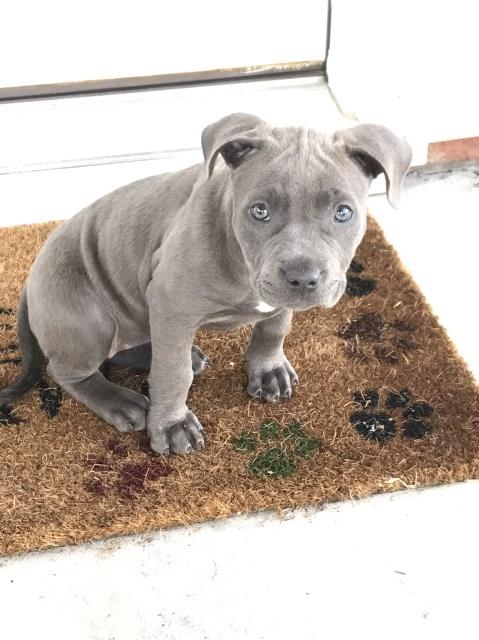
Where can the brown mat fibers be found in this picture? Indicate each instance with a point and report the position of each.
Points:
(71, 477)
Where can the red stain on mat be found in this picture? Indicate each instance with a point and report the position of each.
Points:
(133, 477)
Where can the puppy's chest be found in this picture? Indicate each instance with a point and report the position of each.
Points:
(229, 319)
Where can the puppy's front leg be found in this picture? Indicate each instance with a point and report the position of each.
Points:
(171, 426)
(270, 375)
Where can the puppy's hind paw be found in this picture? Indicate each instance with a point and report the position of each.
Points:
(129, 414)
(198, 360)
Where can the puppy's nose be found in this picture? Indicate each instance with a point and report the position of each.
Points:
(302, 276)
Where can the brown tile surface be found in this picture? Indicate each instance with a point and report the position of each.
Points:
(454, 150)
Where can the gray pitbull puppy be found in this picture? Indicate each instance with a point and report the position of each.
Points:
(133, 276)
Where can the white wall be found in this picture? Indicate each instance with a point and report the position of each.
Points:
(409, 64)
(49, 41)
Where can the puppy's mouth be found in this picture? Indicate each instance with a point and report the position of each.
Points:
(325, 297)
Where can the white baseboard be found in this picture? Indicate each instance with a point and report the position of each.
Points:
(86, 130)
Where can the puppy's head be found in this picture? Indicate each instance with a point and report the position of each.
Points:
(299, 201)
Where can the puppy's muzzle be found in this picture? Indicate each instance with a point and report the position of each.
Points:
(301, 276)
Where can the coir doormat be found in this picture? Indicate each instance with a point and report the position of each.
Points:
(384, 403)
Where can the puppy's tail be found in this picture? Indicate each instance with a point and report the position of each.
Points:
(32, 356)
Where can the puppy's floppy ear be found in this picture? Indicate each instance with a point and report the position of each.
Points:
(234, 137)
(378, 150)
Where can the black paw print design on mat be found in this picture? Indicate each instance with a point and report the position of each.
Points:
(4, 324)
(11, 347)
(356, 286)
(370, 336)
(50, 397)
(7, 412)
(127, 480)
(378, 424)
(8, 417)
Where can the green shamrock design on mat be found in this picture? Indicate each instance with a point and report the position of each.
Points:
(276, 448)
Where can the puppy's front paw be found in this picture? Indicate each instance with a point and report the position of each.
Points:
(273, 382)
(184, 436)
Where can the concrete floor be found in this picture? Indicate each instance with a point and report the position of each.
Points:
(397, 566)
(394, 566)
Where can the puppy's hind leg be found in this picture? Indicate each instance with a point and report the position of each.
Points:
(139, 358)
(75, 345)
(136, 358)
(124, 409)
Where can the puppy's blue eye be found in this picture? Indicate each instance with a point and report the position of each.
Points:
(259, 211)
(343, 213)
